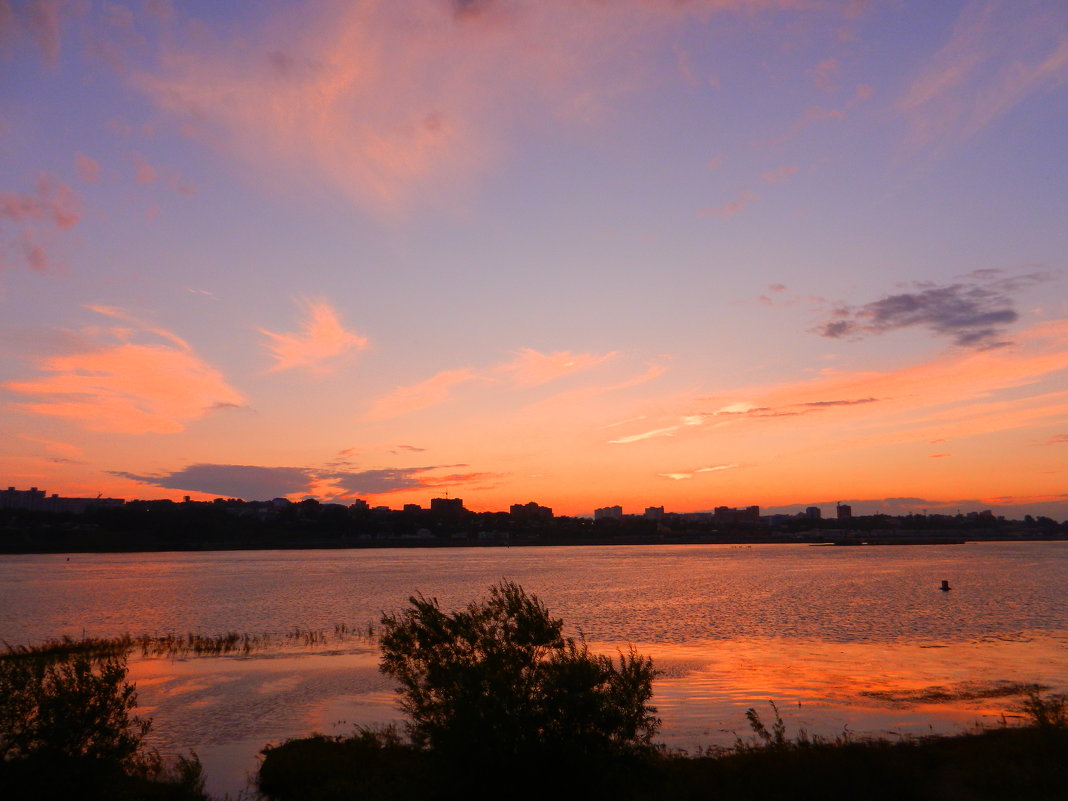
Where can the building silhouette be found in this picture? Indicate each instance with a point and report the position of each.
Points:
(530, 511)
(608, 513)
(36, 500)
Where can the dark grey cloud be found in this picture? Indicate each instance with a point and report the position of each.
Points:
(973, 312)
(380, 482)
(467, 9)
(249, 482)
(795, 409)
(855, 402)
(377, 482)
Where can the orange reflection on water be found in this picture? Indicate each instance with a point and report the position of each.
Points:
(826, 688)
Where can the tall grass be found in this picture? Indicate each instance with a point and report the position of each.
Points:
(190, 644)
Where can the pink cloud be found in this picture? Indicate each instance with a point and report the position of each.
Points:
(128, 387)
(825, 74)
(732, 208)
(779, 175)
(404, 103)
(54, 202)
(146, 173)
(35, 20)
(37, 218)
(88, 168)
(322, 339)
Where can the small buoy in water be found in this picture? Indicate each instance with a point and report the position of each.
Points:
(945, 586)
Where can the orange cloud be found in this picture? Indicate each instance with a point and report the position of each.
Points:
(430, 392)
(954, 394)
(531, 368)
(322, 338)
(127, 388)
(62, 451)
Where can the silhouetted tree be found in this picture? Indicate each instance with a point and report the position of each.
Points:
(497, 682)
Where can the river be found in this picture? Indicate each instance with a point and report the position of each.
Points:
(856, 639)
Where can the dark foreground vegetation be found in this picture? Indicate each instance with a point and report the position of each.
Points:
(1027, 763)
(500, 705)
(68, 729)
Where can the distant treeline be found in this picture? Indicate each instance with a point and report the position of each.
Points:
(236, 524)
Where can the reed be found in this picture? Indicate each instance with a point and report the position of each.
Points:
(172, 645)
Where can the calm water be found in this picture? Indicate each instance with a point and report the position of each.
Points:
(838, 637)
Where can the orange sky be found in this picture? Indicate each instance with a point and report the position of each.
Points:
(697, 254)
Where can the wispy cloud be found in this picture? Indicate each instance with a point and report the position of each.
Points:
(779, 175)
(430, 392)
(955, 394)
(733, 207)
(127, 386)
(997, 55)
(689, 474)
(810, 116)
(825, 74)
(666, 431)
(398, 103)
(973, 312)
(322, 339)
(529, 368)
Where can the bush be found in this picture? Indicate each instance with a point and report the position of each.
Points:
(67, 728)
(71, 705)
(498, 683)
(371, 765)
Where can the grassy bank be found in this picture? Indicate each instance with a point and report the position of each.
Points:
(1026, 763)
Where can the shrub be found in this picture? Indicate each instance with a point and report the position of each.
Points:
(1046, 713)
(497, 682)
(75, 704)
(67, 729)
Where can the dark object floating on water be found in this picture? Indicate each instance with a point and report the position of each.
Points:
(945, 586)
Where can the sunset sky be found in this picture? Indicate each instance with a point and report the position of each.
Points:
(637, 252)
